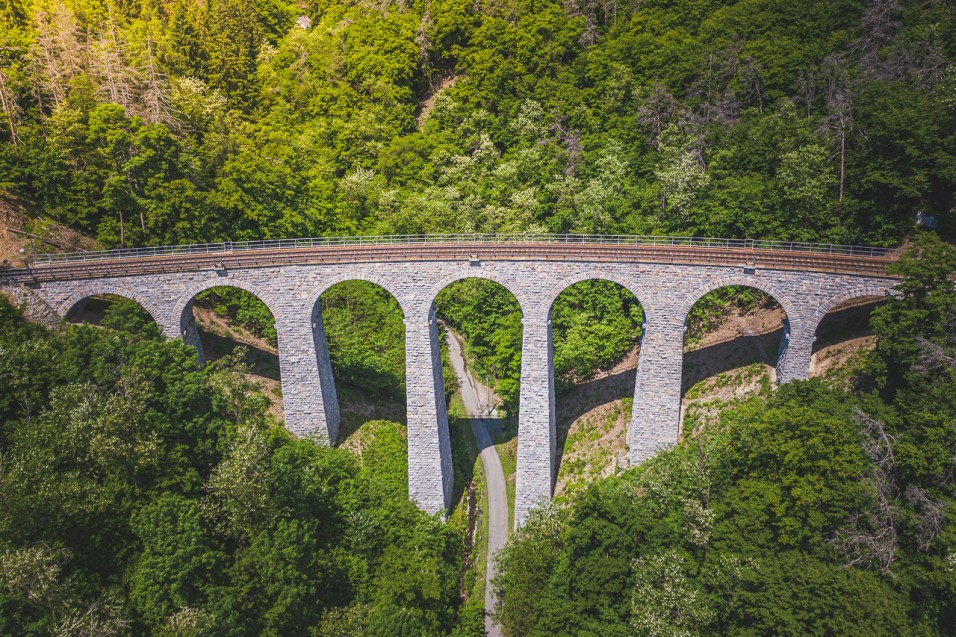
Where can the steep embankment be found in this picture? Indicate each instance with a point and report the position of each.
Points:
(222, 336)
(727, 364)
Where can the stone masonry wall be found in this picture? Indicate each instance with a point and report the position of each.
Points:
(534, 481)
(430, 475)
(666, 292)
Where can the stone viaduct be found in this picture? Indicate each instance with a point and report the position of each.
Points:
(666, 279)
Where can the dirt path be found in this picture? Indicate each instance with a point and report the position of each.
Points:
(471, 394)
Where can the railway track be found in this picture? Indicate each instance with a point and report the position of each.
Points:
(761, 259)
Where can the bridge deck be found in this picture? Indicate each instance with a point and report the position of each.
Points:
(618, 253)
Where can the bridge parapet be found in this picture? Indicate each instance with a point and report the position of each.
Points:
(747, 254)
(470, 239)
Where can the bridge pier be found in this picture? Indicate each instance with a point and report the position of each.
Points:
(534, 482)
(188, 330)
(793, 357)
(310, 403)
(430, 476)
(655, 416)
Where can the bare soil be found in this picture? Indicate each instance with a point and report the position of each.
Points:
(219, 338)
(754, 322)
(10, 242)
(10, 246)
(594, 444)
(428, 103)
(702, 405)
(592, 419)
(829, 360)
(46, 236)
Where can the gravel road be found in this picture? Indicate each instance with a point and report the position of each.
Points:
(475, 397)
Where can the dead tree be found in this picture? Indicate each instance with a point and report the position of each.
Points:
(656, 108)
(807, 85)
(57, 53)
(153, 89)
(871, 535)
(840, 109)
(10, 107)
(111, 66)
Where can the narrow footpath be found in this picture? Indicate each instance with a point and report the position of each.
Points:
(475, 397)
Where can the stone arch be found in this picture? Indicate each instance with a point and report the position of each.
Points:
(105, 288)
(524, 303)
(729, 354)
(640, 294)
(382, 282)
(778, 295)
(316, 328)
(564, 406)
(184, 303)
(828, 303)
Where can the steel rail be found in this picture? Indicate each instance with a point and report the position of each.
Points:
(460, 239)
(744, 257)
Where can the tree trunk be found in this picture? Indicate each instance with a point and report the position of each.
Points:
(842, 159)
(8, 109)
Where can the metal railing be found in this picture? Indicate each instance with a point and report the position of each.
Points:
(226, 247)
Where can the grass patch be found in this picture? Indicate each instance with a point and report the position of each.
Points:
(848, 373)
(506, 443)
(356, 409)
(591, 448)
(471, 499)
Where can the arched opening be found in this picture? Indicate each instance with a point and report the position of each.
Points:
(365, 334)
(481, 332)
(843, 337)
(114, 312)
(732, 340)
(597, 326)
(225, 321)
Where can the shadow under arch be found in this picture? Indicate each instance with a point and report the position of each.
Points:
(755, 334)
(858, 296)
(842, 328)
(597, 324)
(220, 316)
(738, 281)
(359, 324)
(481, 321)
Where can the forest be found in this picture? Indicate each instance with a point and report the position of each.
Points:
(809, 511)
(161, 122)
(141, 494)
